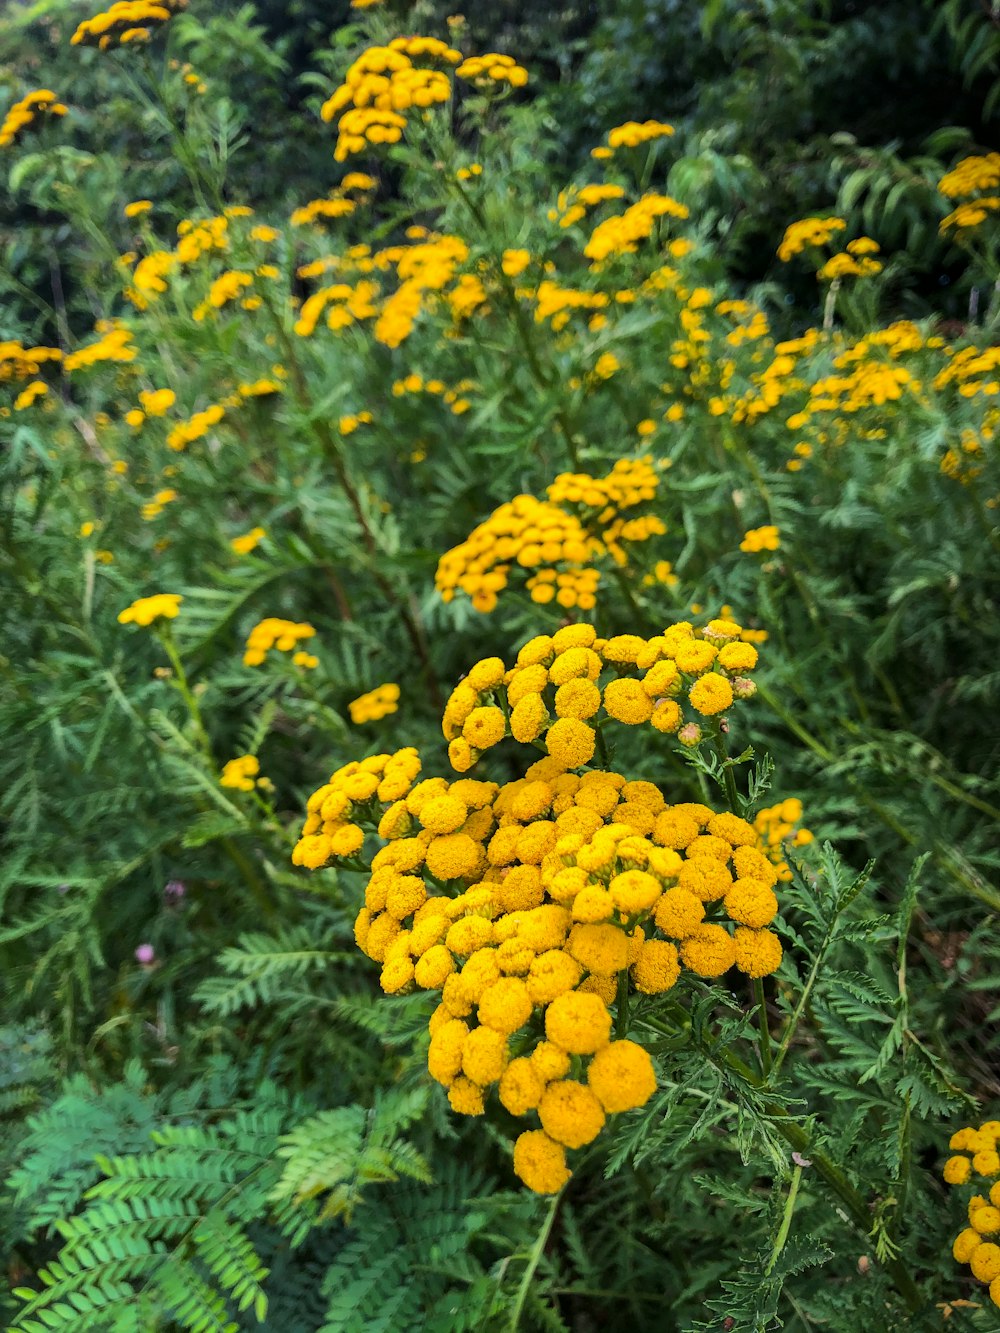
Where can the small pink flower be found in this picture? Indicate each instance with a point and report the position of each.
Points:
(174, 890)
(145, 953)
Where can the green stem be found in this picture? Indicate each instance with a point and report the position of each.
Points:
(728, 776)
(534, 1259)
(183, 688)
(793, 1022)
(765, 1031)
(786, 1221)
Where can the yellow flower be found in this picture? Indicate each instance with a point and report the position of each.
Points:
(528, 718)
(484, 727)
(709, 951)
(626, 701)
(621, 1076)
(580, 1024)
(484, 1056)
(378, 703)
(161, 606)
(241, 773)
(711, 694)
(521, 1087)
(569, 1111)
(506, 1005)
(248, 542)
(540, 1162)
(514, 262)
(571, 742)
(767, 538)
(599, 947)
(757, 952)
(656, 970)
(138, 207)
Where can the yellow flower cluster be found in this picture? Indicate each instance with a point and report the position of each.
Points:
(114, 344)
(154, 508)
(978, 1245)
(161, 606)
(331, 207)
(24, 363)
(554, 302)
(124, 22)
(380, 86)
(227, 287)
(964, 463)
(621, 234)
(22, 113)
(248, 542)
(972, 175)
(557, 546)
(241, 773)
(535, 907)
(454, 397)
(631, 135)
(809, 232)
(376, 704)
(854, 262)
(195, 239)
(330, 829)
(283, 636)
(28, 396)
(492, 68)
(767, 538)
(553, 694)
(631, 482)
(572, 205)
(775, 826)
(195, 427)
(154, 403)
(971, 213)
(533, 535)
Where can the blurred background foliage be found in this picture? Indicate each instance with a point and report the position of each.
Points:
(771, 126)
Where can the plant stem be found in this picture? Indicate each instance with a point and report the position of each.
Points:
(765, 1030)
(534, 1259)
(185, 691)
(786, 1221)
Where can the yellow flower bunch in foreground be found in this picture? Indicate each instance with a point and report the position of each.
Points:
(979, 1244)
(553, 695)
(28, 109)
(283, 636)
(555, 546)
(537, 907)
